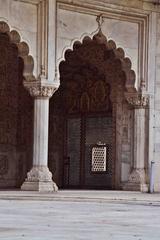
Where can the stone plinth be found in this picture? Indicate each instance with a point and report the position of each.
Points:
(39, 179)
(137, 181)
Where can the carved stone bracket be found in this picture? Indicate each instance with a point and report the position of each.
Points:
(38, 89)
(137, 100)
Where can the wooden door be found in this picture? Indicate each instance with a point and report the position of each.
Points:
(83, 135)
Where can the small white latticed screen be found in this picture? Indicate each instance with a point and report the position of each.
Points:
(99, 159)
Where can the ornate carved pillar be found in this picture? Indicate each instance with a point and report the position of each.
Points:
(39, 178)
(117, 99)
(137, 179)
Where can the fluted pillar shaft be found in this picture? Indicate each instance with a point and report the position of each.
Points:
(139, 138)
(40, 151)
(39, 178)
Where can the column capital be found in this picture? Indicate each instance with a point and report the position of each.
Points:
(137, 100)
(40, 89)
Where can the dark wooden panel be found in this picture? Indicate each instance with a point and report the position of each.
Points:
(98, 129)
(73, 149)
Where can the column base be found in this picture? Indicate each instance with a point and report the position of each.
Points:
(39, 186)
(39, 179)
(137, 181)
(135, 187)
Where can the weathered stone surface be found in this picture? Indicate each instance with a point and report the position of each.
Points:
(80, 215)
(131, 30)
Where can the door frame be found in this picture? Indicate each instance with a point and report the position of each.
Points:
(83, 118)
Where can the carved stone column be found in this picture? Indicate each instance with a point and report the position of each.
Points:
(39, 178)
(137, 179)
(117, 99)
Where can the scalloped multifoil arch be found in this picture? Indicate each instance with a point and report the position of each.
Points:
(70, 47)
(23, 50)
(119, 54)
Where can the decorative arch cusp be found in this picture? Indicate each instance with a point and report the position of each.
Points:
(23, 50)
(111, 52)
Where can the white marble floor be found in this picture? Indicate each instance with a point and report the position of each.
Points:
(78, 220)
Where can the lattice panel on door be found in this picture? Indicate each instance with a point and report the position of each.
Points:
(99, 159)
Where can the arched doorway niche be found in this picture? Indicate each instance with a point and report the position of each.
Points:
(16, 109)
(95, 78)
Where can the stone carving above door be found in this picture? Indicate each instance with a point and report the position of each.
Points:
(87, 91)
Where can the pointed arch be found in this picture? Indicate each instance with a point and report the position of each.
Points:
(23, 50)
(118, 54)
(16, 109)
(95, 75)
